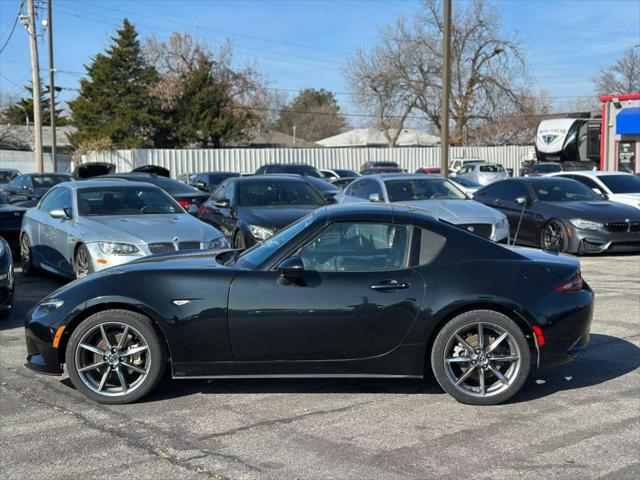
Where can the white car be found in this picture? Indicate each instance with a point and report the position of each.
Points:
(457, 163)
(617, 186)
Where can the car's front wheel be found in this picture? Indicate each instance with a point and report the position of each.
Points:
(82, 265)
(554, 237)
(115, 356)
(26, 256)
(481, 357)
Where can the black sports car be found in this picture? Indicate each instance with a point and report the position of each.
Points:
(564, 215)
(31, 187)
(189, 198)
(209, 181)
(351, 290)
(7, 282)
(10, 221)
(249, 210)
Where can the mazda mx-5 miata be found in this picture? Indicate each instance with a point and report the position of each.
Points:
(355, 290)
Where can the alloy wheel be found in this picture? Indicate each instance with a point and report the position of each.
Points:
(82, 263)
(553, 236)
(482, 359)
(25, 253)
(112, 359)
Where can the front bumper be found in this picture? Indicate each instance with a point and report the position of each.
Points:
(100, 261)
(41, 356)
(600, 241)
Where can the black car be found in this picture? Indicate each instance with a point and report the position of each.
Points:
(349, 290)
(564, 215)
(341, 183)
(7, 174)
(92, 169)
(10, 221)
(249, 210)
(369, 168)
(345, 172)
(31, 187)
(294, 168)
(327, 189)
(189, 198)
(209, 181)
(7, 282)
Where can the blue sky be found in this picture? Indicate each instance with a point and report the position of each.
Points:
(307, 43)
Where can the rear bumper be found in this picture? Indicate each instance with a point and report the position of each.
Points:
(566, 332)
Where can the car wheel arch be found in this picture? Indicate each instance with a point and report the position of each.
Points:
(82, 315)
(521, 319)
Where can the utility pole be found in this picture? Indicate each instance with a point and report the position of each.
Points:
(52, 89)
(446, 87)
(35, 90)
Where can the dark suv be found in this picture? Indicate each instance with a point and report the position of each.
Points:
(296, 168)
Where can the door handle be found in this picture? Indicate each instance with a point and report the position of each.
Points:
(388, 285)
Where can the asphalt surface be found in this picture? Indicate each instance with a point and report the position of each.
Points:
(581, 420)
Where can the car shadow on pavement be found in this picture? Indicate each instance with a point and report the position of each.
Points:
(604, 359)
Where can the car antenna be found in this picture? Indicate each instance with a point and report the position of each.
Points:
(523, 202)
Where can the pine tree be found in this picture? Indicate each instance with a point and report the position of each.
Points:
(114, 105)
(21, 112)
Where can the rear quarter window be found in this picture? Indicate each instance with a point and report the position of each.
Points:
(430, 245)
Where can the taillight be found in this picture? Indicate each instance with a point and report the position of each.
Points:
(184, 203)
(574, 284)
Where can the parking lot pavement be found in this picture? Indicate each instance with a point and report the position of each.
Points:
(581, 420)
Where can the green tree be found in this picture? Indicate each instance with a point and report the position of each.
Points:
(114, 104)
(21, 112)
(315, 114)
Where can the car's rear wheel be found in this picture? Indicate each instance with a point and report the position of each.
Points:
(239, 242)
(554, 236)
(115, 356)
(82, 265)
(481, 357)
(26, 256)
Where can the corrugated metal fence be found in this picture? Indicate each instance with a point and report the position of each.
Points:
(26, 163)
(248, 160)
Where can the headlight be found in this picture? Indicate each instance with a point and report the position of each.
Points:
(218, 243)
(112, 248)
(260, 233)
(585, 224)
(47, 306)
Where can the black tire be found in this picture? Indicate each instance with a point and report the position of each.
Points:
(514, 372)
(156, 348)
(26, 256)
(82, 262)
(239, 242)
(554, 236)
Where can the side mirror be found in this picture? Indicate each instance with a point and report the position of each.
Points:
(524, 201)
(59, 213)
(292, 269)
(222, 203)
(200, 185)
(374, 197)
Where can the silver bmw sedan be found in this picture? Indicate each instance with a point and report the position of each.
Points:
(82, 227)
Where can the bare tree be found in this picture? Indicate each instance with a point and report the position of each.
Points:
(622, 77)
(488, 69)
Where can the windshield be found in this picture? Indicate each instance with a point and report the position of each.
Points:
(563, 191)
(621, 183)
(550, 168)
(6, 177)
(259, 253)
(271, 193)
(422, 189)
(491, 168)
(99, 201)
(47, 181)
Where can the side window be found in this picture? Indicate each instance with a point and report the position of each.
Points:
(512, 190)
(220, 193)
(361, 189)
(358, 247)
(586, 181)
(489, 192)
(352, 189)
(431, 244)
(49, 201)
(17, 182)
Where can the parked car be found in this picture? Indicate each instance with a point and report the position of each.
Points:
(209, 181)
(328, 174)
(6, 175)
(457, 163)
(294, 168)
(31, 187)
(544, 168)
(92, 169)
(328, 189)
(83, 227)
(562, 214)
(7, 281)
(434, 194)
(249, 210)
(189, 198)
(429, 170)
(10, 221)
(483, 173)
(186, 178)
(349, 290)
(617, 186)
(341, 183)
(464, 184)
(345, 172)
(153, 169)
(369, 166)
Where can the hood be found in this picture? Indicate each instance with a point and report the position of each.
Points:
(93, 169)
(631, 198)
(458, 211)
(601, 211)
(149, 228)
(158, 170)
(273, 217)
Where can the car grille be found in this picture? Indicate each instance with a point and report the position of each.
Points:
(623, 227)
(483, 229)
(168, 247)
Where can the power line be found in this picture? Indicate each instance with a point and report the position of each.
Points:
(13, 28)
